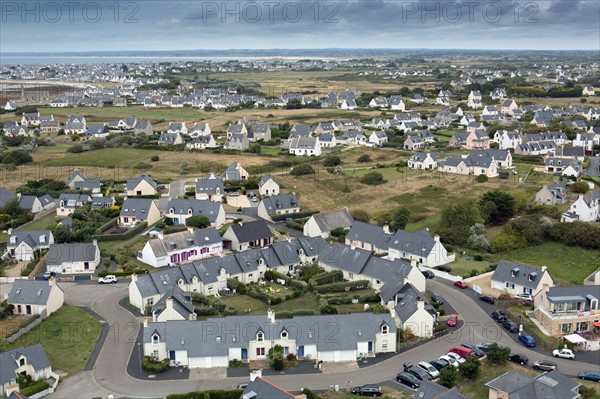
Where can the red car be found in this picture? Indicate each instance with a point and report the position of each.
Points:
(452, 320)
(461, 284)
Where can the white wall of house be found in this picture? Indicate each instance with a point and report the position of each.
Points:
(143, 188)
(269, 188)
(420, 323)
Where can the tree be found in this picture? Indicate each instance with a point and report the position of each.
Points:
(360, 215)
(470, 368)
(448, 376)
(303, 169)
(75, 149)
(465, 213)
(199, 222)
(16, 157)
(580, 187)
(504, 206)
(155, 158)
(365, 158)
(478, 242)
(275, 355)
(332, 160)
(372, 179)
(481, 179)
(328, 309)
(497, 354)
(399, 218)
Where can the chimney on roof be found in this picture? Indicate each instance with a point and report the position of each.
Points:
(413, 262)
(271, 315)
(95, 242)
(420, 303)
(544, 268)
(145, 322)
(241, 223)
(386, 229)
(169, 302)
(254, 374)
(51, 281)
(436, 238)
(190, 229)
(134, 278)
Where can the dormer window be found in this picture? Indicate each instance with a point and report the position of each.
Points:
(22, 362)
(190, 211)
(260, 336)
(385, 329)
(514, 272)
(171, 211)
(155, 339)
(180, 282)
(13, 239)
(284, 334)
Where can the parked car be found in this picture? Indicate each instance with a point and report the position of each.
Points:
(527, 340)
(563, 353)
(110, 279)
(408, 379)
(437, 299)
(545, 365)
(487, 298)
(367, 390)
(499, 316)
(428, 367)
(427, 273)
(417, 372)
(48, 275)
(461, 351)
(510, 326)
(476, 351)
(452, 361)
(590, 375)
(439, 364)
(444, 268)
(242, 385)
(484, 346)
(461, 284)
(456, 357)
(452, 320)
(524, 297)
(518, 358)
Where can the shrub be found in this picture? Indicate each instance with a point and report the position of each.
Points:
(470, 368)
(372, 179)
(75, 149)
(153, 366)
(35, 388)
(497, 354)
(236, 363)
(155, 158)
(303, 169)
(439, 327)
(332, 160)
(328, 309)
(341, 287)
(580, 187)
(310, 394)
(364, 158)
(199, 222)
(16, 157)
(448, 376)
(481, 179)
(478, 258)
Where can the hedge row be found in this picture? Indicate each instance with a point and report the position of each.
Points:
(155, 367)
(105, 273)
(287, 314)
(35, 388)
(122, 237)
(234, 394)
(107, 225)
(298, 215)
(327, 278)
(341, 287)
(340, 300)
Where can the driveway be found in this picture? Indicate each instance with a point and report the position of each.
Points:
(109, 374)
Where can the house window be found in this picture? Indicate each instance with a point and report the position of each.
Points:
(155, 339)
(582, 326)
(218, 339)
(260, 336)
(22, 362)
(155, 354)
(250, 275)
(384, 329)
(284, 334)
(384, 345)
(260, 351)
(150, 301)
(565, 328)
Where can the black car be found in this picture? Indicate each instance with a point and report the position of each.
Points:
(367, 390)
(427, 273)
(476, 351)
(483, 346)
(510, 326)
(518, 358)
(487, 298)
(408, 379)
(499, 316)
(417, 372)
(437, 299)
(439, 364)
(444, 268)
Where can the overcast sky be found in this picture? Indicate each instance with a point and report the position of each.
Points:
(81, 25)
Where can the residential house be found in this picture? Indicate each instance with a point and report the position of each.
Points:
(422, 160)
(267, 186)
(397, 103)
(564, 166)
(366, 334)
(235, 172)
(36, 297)
(22, 244)
(489, 110)
(474, 100)
(520, 278)
(96, 130)
(321, 224)
(49, 126)
(239, 129)
(260, 131)
(414, 142)
(458, 139)
(179, 210)
(242, 236)
(142, 185)
(589, 91)
(77, 181)
(75, 258)
(509, 106)
(431, 390)
(138, 210)
(202, 142)
(477, 139)
(174, 305)
(551, 194)
(170, 139)
(177, 127)
(122, 125)
(378, 138)
(498, 94)
(68, 203)
(587, 141)
(420, 245)
(536, 148)
(30, 361)
(10, 106)
(210, 188)
(507, 139)
(417, 99)
(548, 385)
(585, 209)
(410, 308)
(470, 165)
(35, 204)
(143, 127)
(378, 102)
(303, 130)
(30, 119)
(308, 146)
(327, 140)
(75, 125)
(503, 158)
(258, 388)
(181, 247)
(200, 129)
(102, 202)
(566, 310)
(278, 205)
(352, 138)
(348, 104)
(237, 141)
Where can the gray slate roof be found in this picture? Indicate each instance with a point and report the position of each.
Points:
(35, 356)
(262, 389)
(182, 302)
(280, 202)
(210, 209)
(136, 207)
(6, 196)
(328, 221)
(209, 184)
(31, 237)
(132, 183)
(251, 231)
(408, 296)
(522, 273)
(30, 292)
(74, 252)
(549, 385)
(578, 293)
(430, 390)
(184, 239)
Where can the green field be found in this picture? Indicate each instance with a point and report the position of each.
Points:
(41, 223)
(567, 265)
(68, 336)
(107, 158)
(104, 114)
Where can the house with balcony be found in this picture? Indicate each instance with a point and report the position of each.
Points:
(565, 310)
(516, 278)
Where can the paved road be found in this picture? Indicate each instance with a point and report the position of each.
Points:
(109, 373)
(593, 168)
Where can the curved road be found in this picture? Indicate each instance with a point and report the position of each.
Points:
(109, 374)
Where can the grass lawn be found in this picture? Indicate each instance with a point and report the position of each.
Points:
(10, 324)
(306, 301)
(476, 389)
(567, 265)
(40, 224)
(68, 336)
(242, 302)
(462, 266)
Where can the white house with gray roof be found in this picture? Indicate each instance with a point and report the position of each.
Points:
(181, 247)
(68, 203)
(36, 297)
(22, 244)
(520, 278)
(142, 185)
(241, 236)
(408, 305)
(74, 258)
(210, 188)
(137, 210)
(36, 204)
(422, 161)
(305, 146)
(551, 194)
(235, 171)
(179, 210)
(548, 385)
(30, 360)
(267, 186)
(259, 388)
(321, 224)
(585, 209)
(174, 305)
(278, 205)
(249, 338)
(77, 181)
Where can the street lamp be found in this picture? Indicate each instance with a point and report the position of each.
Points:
(139, 345)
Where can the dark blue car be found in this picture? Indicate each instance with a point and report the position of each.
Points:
(590, 375)
(527, 340)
